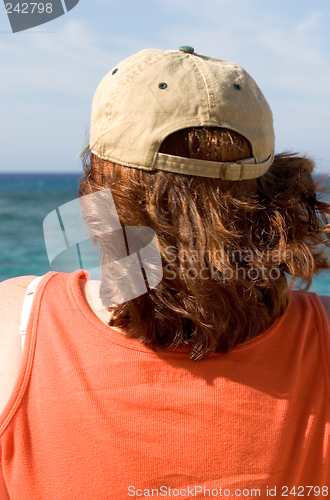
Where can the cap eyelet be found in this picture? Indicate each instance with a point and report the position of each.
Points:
(237, 86)
(114, 71)
(162, 85)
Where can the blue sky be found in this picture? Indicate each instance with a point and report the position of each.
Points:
(48, 74)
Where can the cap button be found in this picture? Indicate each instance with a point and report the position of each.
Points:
(187, 49)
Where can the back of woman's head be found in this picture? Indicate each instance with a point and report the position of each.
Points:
(227, 247)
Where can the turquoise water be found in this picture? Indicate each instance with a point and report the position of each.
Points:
(25, 200)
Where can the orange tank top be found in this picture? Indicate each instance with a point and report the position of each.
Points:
(95, 415)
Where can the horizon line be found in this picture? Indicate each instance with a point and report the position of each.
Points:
(38, 172)
(82, 173)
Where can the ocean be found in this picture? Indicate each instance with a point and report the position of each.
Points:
(25, 200)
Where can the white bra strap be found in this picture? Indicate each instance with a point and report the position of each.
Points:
(29, 296)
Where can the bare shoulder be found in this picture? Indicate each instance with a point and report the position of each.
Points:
(12, 294)
(325, 299)
(13, 285)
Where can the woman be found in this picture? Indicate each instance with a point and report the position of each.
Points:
(216, 381)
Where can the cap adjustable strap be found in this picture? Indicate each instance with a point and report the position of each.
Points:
(245, 169)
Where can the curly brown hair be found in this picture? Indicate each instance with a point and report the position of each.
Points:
(227, 247)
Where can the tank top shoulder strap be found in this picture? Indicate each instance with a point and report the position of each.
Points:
(27, 305)
(322, 308)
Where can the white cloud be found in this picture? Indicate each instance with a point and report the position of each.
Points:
(299, 45)
(311, 23)
(68, 62)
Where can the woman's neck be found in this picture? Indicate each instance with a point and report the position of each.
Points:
(90, 290)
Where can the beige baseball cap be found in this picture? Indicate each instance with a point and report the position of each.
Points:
(157, 92)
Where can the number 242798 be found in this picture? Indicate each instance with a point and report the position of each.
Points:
(29, 8)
